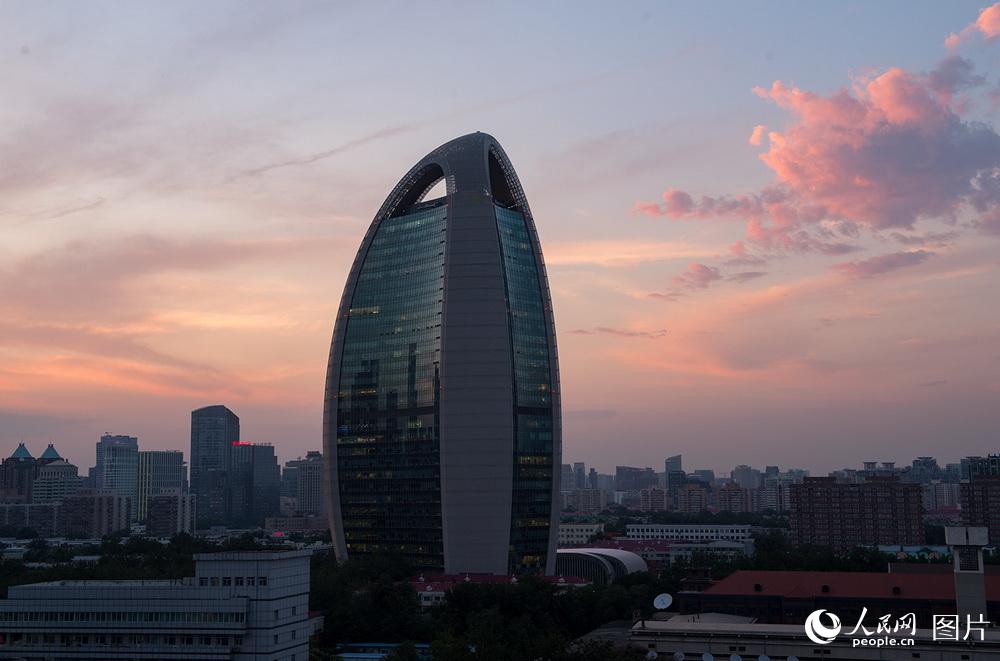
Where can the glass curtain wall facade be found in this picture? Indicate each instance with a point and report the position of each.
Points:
(533, 468)
(442, 425)
(387, 404)
(214, 429)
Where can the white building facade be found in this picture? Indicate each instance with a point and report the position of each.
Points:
(578, 533)
(689, 532)
(239, 606)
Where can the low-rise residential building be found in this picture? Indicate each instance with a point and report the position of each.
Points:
(586, 501)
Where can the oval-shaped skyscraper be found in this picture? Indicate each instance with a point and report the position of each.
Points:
(441, 430)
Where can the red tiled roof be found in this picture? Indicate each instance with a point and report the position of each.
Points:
(870, 585)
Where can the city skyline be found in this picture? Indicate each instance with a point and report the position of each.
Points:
(712, 298)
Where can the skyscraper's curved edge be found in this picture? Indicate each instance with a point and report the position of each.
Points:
(476, 425)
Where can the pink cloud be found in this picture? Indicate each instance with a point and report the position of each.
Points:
(697, 276)
(758, 135)
(867, 268)
(886, 153)
(986, 24)
(989, 222)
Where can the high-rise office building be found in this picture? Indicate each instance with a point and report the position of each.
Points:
(109, 441)
(120, 472)
(746, 477)
(159, 471)
(629, 478)
(95, 513)
(579, 475)
(253, 484)
(309, 485)
(442, 427)
(567, 480)
(214, 429)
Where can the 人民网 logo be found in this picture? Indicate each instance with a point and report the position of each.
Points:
(819, 632)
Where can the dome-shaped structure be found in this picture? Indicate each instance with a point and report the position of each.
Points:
(442, 426)
(50, 454)
(21, 452)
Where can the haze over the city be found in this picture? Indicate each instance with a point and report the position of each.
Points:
(758, 252)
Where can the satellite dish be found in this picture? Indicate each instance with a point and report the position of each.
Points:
(678, 656)
(651, 655)
(662, 601)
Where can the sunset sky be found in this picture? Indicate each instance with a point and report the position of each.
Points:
(772, 229)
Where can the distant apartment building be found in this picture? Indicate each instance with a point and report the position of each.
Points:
(880, 510)
(239, 606)
(160, 471)
(981, 466)
(653, 499)
(980, 499)
(169, 512)
(586, 501)
(940, 495)
(734, 498)
(94, 513)
(43, 518)
(571, 534)
(691, 499)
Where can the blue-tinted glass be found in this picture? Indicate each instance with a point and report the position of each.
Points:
(532, 495)
(388, 403)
